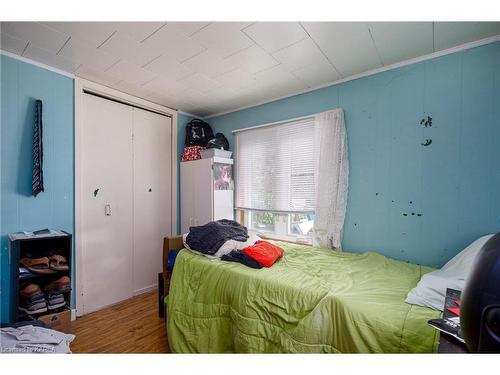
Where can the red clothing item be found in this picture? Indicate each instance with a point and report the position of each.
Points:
(264, 252)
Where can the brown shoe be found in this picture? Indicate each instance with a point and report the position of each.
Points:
(61, 285)
(38, 265)
(58, 263)
(29, 290)
(32, 300)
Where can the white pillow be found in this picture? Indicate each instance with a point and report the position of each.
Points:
(431, 289)
(228, 246)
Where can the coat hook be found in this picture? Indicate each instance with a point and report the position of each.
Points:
(429, 121)
(427, 142)
(426, 122)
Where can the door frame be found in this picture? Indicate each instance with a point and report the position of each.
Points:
(80, 85)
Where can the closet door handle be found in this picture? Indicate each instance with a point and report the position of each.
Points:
(107, 210)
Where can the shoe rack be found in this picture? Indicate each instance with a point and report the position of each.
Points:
(33, 245)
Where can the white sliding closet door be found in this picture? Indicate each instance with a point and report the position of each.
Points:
(106, 210)
(152, 195)
(125, 200)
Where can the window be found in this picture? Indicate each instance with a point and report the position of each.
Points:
(275, 184)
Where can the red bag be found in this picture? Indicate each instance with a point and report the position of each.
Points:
(191, 153)
(264, 252)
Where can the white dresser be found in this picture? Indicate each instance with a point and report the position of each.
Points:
(207, 191)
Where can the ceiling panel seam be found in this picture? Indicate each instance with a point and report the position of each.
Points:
(66, 42)
(116, 62)
(153, 33)
(433, 37)
(201, 28)
(375, 46)
(108, 38)
(25, 48)
(321, 50)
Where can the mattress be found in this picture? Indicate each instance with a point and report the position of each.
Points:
(313, 300)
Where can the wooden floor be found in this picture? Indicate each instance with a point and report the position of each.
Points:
(132, 326)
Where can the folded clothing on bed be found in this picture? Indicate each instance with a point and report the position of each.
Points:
(264, 252)
(208, 238)
(227, 247)
(240, 257)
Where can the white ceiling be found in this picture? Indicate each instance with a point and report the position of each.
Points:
(206, 68)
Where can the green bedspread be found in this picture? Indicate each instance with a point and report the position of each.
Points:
(313, 300)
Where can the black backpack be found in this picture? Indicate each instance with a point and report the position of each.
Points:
(219, 142)
(198, 133)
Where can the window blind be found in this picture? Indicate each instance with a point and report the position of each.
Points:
(275, 167)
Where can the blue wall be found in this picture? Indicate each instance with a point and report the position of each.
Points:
(21, 85)
(454, 183)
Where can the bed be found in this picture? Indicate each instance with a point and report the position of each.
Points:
(311, 301)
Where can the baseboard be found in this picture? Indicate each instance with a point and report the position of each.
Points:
(145, 290)
(135, 293)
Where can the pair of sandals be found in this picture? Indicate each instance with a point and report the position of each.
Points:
(46, 265)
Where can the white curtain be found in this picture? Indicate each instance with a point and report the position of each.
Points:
(331, 175)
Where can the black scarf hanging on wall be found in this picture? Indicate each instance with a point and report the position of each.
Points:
(37, 179)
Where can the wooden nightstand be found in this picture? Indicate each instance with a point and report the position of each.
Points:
(169, 243)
